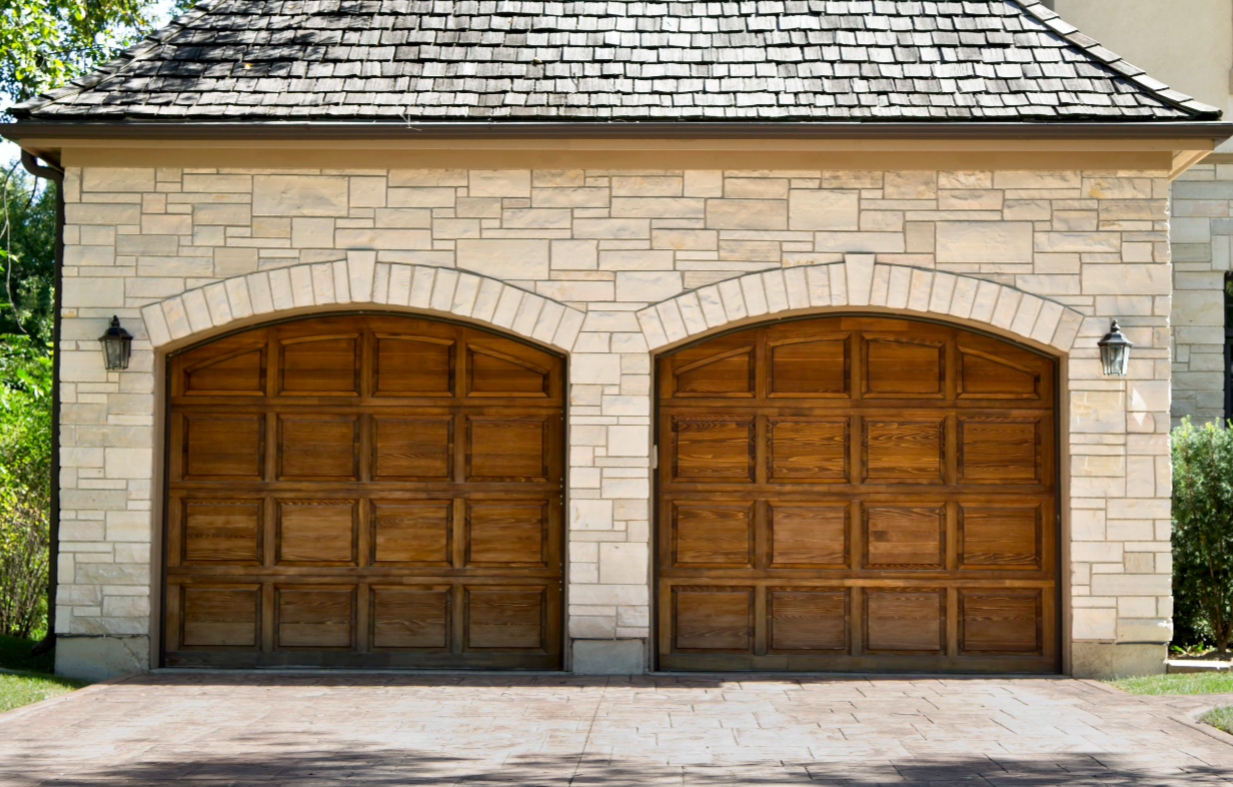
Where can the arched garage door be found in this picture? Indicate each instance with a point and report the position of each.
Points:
(856, 493)
(364, 491)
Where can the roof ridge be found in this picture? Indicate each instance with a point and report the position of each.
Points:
(1093, 49)
(117, 64)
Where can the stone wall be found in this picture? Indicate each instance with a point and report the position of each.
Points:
(1202, 228)
(602, 264)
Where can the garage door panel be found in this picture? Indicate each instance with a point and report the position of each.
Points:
(392, 498)
(318, 447)
(317, 617)
(413, 366)
(316, 532)
(724, 372)
(412, 533)
(411, 618)
(217, 446)
(319, 365)
(809, 450)
(413, 449)
(897, 495)
(220, 531)
(808, 620)
(709, 449)
(713, 535)
(903, 451)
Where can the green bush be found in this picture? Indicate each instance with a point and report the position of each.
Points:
(25, 485)
(1203, 532)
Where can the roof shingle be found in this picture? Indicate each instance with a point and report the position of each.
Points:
(530, 60)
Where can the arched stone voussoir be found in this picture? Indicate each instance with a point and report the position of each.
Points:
(861, 282)
(362, 281)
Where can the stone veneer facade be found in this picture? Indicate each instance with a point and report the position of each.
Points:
(608, 267)
(1202, 229)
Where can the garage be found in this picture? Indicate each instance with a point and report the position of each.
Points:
(856, 493)
(364, 491)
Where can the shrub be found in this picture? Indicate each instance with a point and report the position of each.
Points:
(25, 484)
(1203, 530)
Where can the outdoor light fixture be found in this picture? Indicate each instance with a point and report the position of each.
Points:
(117, 346)
(1115, 352)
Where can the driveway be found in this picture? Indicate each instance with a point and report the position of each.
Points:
(211, 729)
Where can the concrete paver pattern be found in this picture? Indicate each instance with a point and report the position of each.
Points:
(315, 730)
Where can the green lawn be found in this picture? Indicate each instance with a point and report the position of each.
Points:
(1196, 683)
(1221, 718)
(18, 690)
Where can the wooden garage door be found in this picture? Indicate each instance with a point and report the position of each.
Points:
(364, 491)
(856, 493)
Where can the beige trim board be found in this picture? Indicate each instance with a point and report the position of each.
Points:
(770, 157)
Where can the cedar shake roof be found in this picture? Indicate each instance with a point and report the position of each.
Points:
(400, 61)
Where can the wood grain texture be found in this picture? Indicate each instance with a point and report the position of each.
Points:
(365, 491)
(856, 494)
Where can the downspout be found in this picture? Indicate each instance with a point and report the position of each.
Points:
(50, 172)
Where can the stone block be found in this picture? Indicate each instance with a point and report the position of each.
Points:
(1127, 279)
(382, 239)
(609, 657)
(860, 242)
(101, 658)
(499, 183)
(505, 258)
(823, 210)
(134, 179)
(747, 214)
(1104, 660)
(623, 564)
(659, 207)
(223, 213)
(650, 286)
(984, 241)
(300, 195)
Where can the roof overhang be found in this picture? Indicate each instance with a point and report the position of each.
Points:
(1174, 146)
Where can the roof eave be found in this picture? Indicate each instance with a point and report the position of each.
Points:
(1211, 130)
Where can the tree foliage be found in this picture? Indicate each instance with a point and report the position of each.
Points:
(27, 261)
(25, 484)
(1203, 530)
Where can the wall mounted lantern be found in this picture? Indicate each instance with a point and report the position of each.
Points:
(1115, 352)
(117, 346)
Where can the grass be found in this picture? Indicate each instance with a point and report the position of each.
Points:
(1194, 683)
(1221, 718)
(18, 690)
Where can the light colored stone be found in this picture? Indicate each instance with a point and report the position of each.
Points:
(506, 258)
(984, 241)
(299, 195)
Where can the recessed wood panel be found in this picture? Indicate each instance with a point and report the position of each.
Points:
(827, 488)
(808, 535)
(320, 447)
(413, 366)
(712, 449)
(905, 537)
(317, 532)
(1002, 537)
(984, 376)
(808, 450)
(506, 449)
(904, 451)
(315, 617)
(1001, 621)
(494, 374)
(507, 533)
(222, 531)
(714, 619)
(220, 617)
(809, 367)
(712, 534)
(999, 450)
(237, 373)
(223, 446)
(808, 620)
(505, 618)
(727, 373)
(339, 482)
(904, 368)
(410, 617)
(320, 366)
(412, 532)
(413, 449)
(905, 620)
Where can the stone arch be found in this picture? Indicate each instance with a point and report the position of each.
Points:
(358, 281)
(862, 282)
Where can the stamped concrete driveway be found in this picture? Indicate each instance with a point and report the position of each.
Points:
(210, 729)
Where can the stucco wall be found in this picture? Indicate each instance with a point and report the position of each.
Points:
(579, 260)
